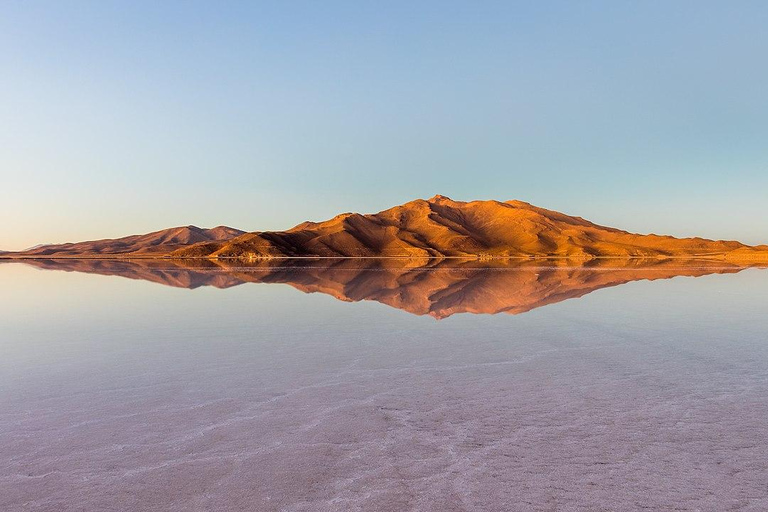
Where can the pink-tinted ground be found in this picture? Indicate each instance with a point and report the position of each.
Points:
(129, 396)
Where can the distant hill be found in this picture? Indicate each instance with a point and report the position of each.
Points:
(157, 243)
(435, 228)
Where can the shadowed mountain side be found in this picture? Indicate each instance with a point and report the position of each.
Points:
(440, 227)
(428, 287)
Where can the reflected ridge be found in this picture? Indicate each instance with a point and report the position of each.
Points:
(439, 288)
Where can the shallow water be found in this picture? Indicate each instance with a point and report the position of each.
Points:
(605, 392)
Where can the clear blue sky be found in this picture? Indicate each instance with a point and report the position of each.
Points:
(131, 116)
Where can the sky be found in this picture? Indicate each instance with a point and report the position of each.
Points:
(128, 117)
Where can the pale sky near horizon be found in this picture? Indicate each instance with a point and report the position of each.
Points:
(127, 117)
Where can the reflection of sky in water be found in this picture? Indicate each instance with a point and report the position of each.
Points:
(260, 397)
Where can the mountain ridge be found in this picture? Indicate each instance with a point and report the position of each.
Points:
(442, 228)
(155, 243)
(438, 227)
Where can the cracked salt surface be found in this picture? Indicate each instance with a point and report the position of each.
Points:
(129, 396)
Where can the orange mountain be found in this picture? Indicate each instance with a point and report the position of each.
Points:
(435, 228)
(154, 244)
(440, 227)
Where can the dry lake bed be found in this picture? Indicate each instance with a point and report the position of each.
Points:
(230, 390)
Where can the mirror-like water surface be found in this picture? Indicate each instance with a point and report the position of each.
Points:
(388, 388)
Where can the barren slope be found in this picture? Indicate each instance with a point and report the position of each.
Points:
(441, 227)
(156, 243)
(435, 228)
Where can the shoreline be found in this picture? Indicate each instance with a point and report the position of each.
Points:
(762, 258)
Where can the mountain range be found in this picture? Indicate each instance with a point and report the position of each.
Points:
(433, 228)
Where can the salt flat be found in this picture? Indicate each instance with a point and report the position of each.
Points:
(127, 395)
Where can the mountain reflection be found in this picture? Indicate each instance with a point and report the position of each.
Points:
(422, 287)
